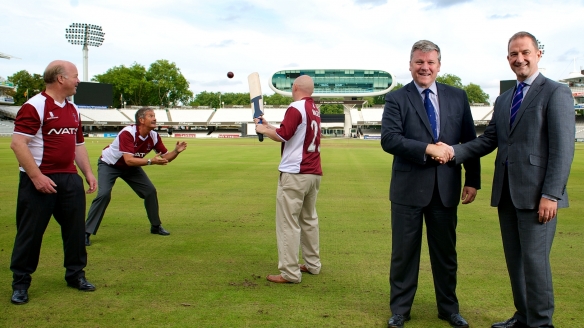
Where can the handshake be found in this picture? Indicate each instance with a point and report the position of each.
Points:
(440, 152)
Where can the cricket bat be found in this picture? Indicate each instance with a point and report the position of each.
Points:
(256, 98)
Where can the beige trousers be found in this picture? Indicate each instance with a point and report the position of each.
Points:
(297, 224)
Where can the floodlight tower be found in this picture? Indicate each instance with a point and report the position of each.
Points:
(85, 35)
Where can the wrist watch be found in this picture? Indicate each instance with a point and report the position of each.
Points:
(149, 162)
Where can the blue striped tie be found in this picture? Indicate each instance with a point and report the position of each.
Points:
(431, 113)
(516, 103)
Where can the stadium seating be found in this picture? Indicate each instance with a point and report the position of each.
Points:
(196, 116)
(229, 116)
(481, 113)
(372, 114)
(194, 121)
(579, 130)
(356, 116)
(161, 115)
(9, 111)
(102, 115)
(6, 127)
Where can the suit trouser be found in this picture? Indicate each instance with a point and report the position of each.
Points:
(136, 178)
(33, 213)
(527, 244)
(297, 224)
(406, 235)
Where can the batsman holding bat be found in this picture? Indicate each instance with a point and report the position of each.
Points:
(300, 174)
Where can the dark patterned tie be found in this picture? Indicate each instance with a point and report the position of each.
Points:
(516, 103)
(431, 113)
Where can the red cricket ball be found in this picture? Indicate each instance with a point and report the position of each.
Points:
(230, 75)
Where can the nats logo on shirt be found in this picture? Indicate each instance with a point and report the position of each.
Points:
(63, 131)
(129, 141)
(54, 133)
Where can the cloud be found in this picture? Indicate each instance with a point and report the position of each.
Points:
(372, 3)
(569, 55)
(231, 18)
(236, 11)
(444, 3)
(222, 44)
(497, 16)
(215, 83)
(262, 37)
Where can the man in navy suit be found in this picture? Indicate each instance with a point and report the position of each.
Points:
(533, 129)
(415, 118)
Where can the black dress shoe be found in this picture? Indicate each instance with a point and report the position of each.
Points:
(397, 321)
(159, 230)
(82, 284)
(511, 323)
(19, 296)
(455, 320)
(87, 242)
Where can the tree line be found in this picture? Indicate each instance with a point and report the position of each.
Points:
(163, 84)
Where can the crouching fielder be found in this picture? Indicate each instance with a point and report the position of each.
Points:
(123, 159)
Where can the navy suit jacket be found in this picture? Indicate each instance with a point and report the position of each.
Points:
(405, 133)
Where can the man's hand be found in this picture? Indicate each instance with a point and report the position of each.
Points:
(92, 182)
(440, 152)
(44, 184)
(159, 160)
(257, 120)
(260, 128)
(180, 147)
(468, 194)
(263, 127)
(547, 210)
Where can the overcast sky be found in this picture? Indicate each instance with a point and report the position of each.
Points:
(208, 38)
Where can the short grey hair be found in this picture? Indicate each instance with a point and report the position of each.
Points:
(523, 34)
(141, 113)
(425, 46)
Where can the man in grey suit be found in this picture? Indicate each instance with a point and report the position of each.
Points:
(533, 129)
(416, 117)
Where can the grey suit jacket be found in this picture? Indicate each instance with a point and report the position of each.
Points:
(405, 133)
(538, 149)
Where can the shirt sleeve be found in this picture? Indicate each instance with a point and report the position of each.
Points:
(126, 142)
(292, 119)
(160, 146)
(27, 120)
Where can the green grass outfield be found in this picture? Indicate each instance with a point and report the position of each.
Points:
(218, 201)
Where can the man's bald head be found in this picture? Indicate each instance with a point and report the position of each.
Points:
(61, 79)
(303, 87)
(56, 68)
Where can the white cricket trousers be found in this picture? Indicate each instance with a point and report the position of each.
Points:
(297, 224)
